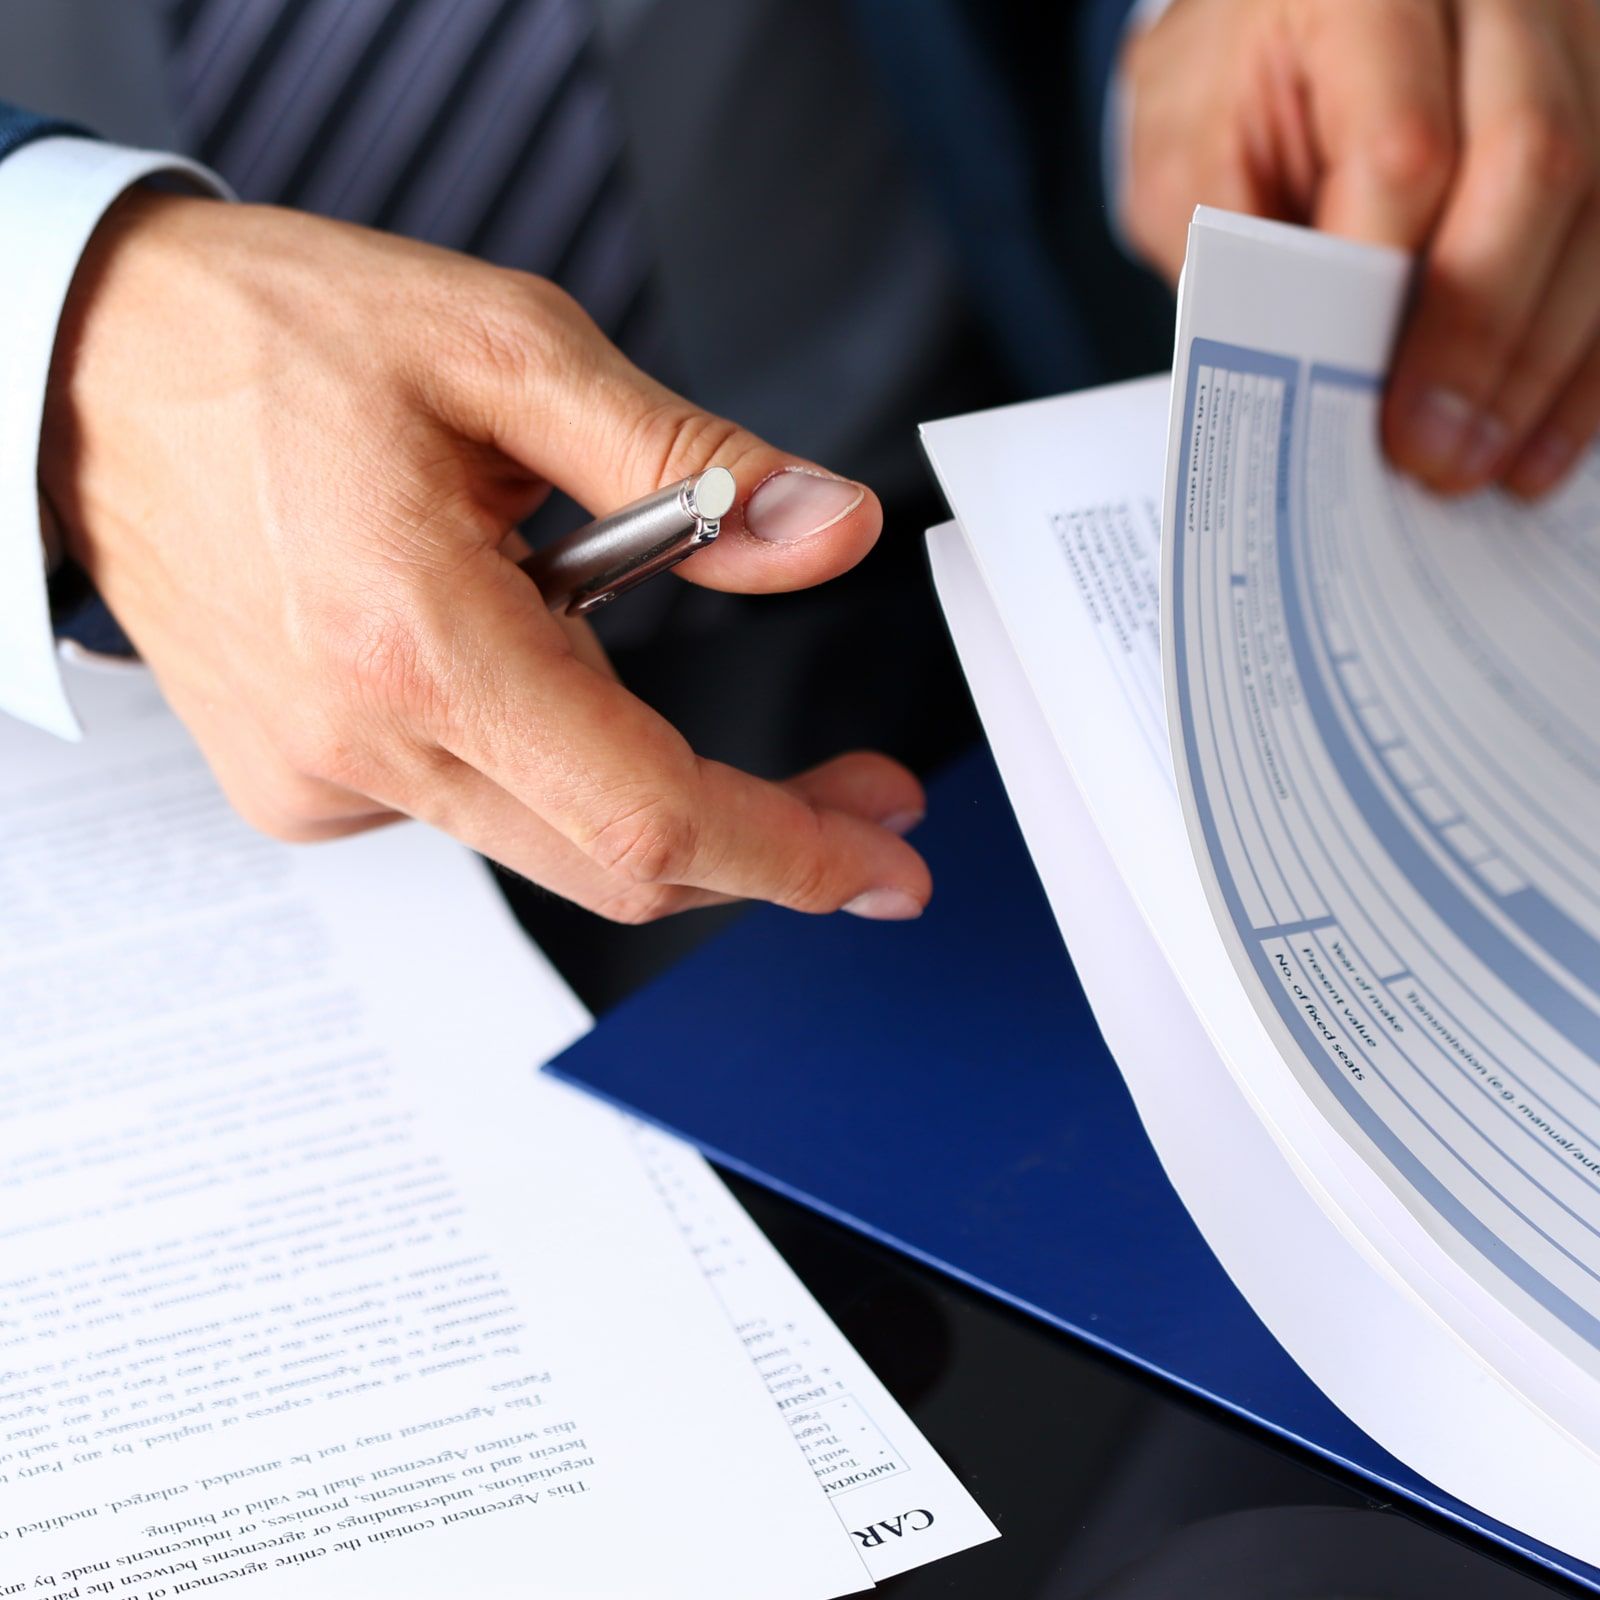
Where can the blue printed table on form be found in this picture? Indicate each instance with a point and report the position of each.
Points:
(942, 1086)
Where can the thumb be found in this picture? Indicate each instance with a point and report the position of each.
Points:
(576, 412)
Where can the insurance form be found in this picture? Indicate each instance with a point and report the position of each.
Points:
(1336, 742)
(1386, 720)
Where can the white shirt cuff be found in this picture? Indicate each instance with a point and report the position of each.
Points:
(53, 194)
(1116, 133)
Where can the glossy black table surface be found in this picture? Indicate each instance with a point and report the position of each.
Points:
(1104, 1484)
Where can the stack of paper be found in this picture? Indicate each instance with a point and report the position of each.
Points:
(1310, 764)
(310, 1284)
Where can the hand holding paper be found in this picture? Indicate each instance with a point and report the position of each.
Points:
(1465, 131)
(1352, 824)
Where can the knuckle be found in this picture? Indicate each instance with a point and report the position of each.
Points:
(512, 323)
(489, 330)
(634, 905)
(324, 754)
(652, 842)
(1412, 154)
(809, 884)
(313, 752)
(678, 440)
(544, 298)
(1546, 147)
(380, 662)
(373, 682)
(285, 807)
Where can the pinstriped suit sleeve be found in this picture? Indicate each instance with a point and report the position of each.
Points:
(55, 185)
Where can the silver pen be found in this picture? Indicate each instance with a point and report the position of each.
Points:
(594, 564)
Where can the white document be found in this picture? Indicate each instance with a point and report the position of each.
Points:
(900, 1504)
(309, 1283)
(1055, 583)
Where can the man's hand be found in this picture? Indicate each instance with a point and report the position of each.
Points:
(1468, 130)
(291, 454)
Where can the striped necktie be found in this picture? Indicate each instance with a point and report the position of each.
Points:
(481, 125)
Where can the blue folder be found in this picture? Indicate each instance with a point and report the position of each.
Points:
(942, 1086)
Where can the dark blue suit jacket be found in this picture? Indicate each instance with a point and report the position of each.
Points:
(17, 127)
(1003, 103)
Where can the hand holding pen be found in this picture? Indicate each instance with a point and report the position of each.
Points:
(337, 615)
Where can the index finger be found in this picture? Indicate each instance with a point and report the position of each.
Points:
(1523, 175)
(1382, 106)
(621, 784)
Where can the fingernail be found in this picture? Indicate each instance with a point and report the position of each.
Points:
(884, 905)
(1546, 460)
(1437, 427)
(796, 503)
(902, 822)
(1483, 450)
